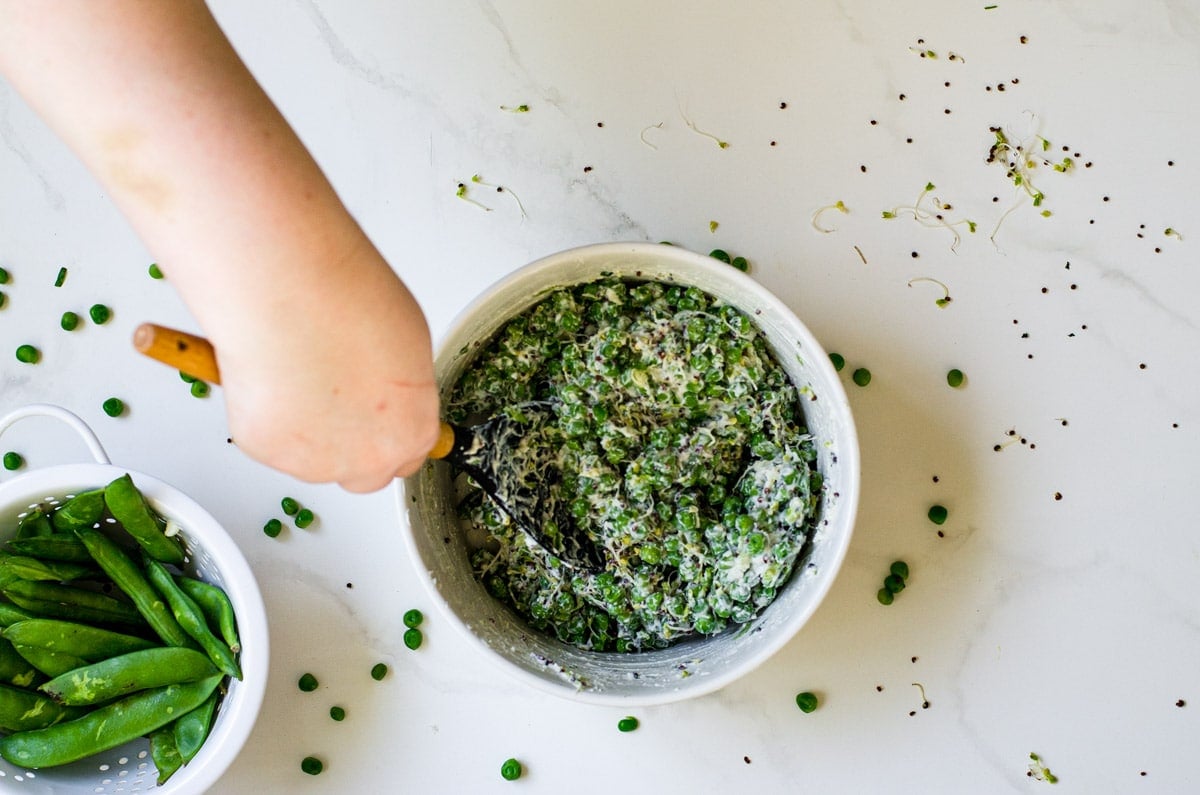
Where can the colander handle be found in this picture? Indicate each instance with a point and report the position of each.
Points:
(59, 413)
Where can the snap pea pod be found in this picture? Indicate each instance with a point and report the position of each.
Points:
(50, 600)
(59, 547)
(125, 573)
(191, 730)
(191, 618)
(165, 753)
(79, 640)
(128, 506)
(217, 607)
(28, 568)
(36, 524)
(120, 676)
(22, 710)
(51, 663)
(82, 510)
(11, 614)
(106, 727)
(16, 670)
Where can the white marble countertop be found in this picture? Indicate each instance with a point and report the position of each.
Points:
(1054, 613)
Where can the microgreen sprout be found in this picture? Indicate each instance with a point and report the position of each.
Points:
(646, 129)
(500, 189)
(1170, 232)
(1020, 164)
(924, 53)
(692, 126)
(924, 700)
(941, 302)
(932, 217)
(712, 226)
(515, 108)
(461, 193)
(1038, 769)
(838, 205)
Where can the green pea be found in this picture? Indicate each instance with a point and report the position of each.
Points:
(838, 360)
(187, 379)
(28, 354)
(955, 378)
(627, 724)
(61, 277)
(304, 517)
(13, 460)
(806, 701)
(337, 713)
(290, 506)
(307, 683)
(379, 671)
(885, 596)
(312, 766)
(69, 321)
(413, 618)
(273, 527)
(741, 264)
(413, 638)
(938, 514)
(154, 271)
(3, 276)
(861, 376)
(3, 298)
(721, 254)
(113, 407)
(199, 389)
(511, 770)
(99, 314)
(893, 584)
(900, 569)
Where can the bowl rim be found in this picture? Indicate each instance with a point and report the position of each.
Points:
(848, 455)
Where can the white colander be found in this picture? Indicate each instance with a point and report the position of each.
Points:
(211, 556)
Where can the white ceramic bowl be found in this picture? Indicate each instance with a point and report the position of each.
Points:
(212, 556)
(692, 667)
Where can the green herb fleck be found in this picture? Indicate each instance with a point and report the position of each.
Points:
(61, 277)
(515, 109)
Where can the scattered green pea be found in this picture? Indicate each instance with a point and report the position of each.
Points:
(741, 264)
(806, 701)
(113, 407)
(861, 376)
(413, 638)
(312, 766)
(304, 517)
(838, 360)
(955, 378)
(627, 723)
(3, 298)
(273, 528)
(413, 618)
(154, 271)
(186, 378)
(885, 596)
(379, 671)
(13, 460)
(3, 276)
(900, 569)
(722, 255)
(893, 584)
(307, 683)
(938, 514)
(199, 388)
(61, 277)
(511, 770)
(28, 354)
(69, 321)
(337, 713)
(290, 506)
(99, 314)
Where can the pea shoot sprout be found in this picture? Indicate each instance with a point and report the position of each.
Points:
(934, 217)
(1038, 769)
(839, 205)
(692, 126)
(941, 302)
(515, 109)
(500, 189)
(648, 128)
(461, 193)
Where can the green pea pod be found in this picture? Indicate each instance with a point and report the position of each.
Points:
(191, 730)
(118, 677)
(106, 727)
(128, 506)
(82, 510)
(27, 568)
(165, 753)
(15, 670)
(35, 524)
(217, 609)
(80, 640)
(191, 618)
(21, 710)
(51, 663)
(50, 600)
(128, 577)
(59, 547)
(11, 614)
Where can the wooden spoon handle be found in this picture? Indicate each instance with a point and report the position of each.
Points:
(185, 352)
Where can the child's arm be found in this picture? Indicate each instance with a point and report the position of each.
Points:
(325, 356)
